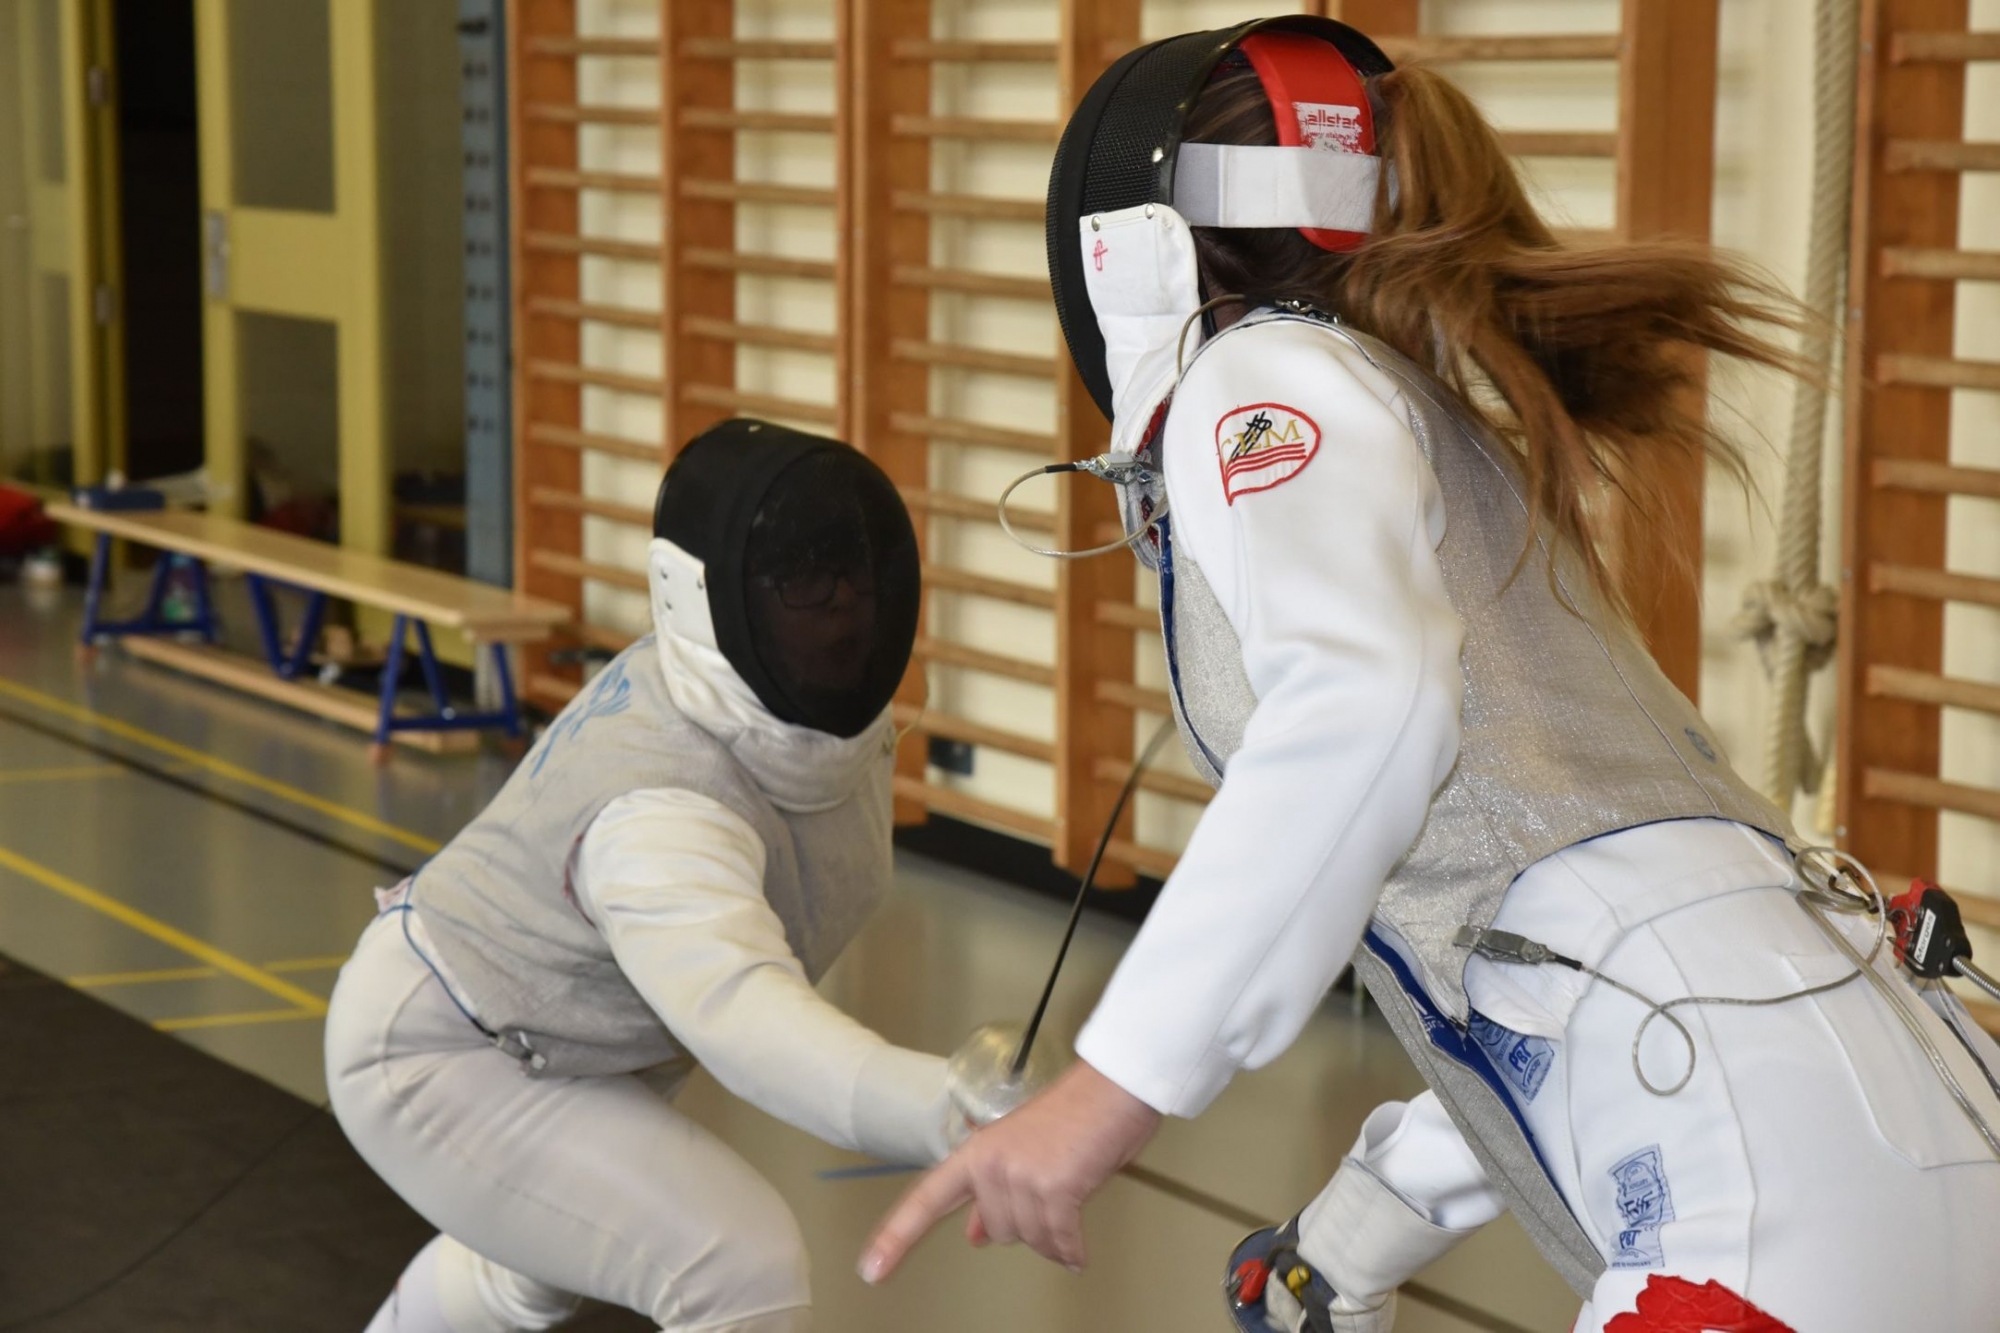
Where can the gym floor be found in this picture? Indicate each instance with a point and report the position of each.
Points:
(203, 862)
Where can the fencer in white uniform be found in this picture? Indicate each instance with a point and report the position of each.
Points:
(682, 854)
(1458, 766)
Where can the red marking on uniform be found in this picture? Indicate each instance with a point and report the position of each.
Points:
(1675, 1305)
(1098, 253)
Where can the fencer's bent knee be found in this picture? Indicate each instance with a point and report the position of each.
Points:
(754, 1277)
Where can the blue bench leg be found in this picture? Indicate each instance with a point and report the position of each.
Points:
(510, 707)
(433, 674)
(392, 669)
(93, 597)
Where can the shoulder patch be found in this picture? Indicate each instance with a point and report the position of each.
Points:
(1263, 445)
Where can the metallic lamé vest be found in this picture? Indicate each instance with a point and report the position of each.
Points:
(1568, 729)
(500, 909)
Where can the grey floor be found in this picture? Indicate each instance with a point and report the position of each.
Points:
(204, 862)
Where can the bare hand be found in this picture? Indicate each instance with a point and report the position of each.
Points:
(1027, 1175)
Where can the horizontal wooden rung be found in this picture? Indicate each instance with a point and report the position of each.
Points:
(1128, 615)
(1155, 861)
(972, 432)
(756, 192)
(1560, 143)
(958, 805)
(542, 687)
(1939, 372)
(555, 308)
(724, 48)
(569, 113)
(929, 722)
(548, 497)
(554, 243)
(558, 47)
(1115, 771)
(770, 266)
(1881, 784)
(1940, 155)
(1538, 46)
(1124, 694)
(782, 122)
(563, 437)
(1924, 687)
(1962, 265)
(945, 652)
(564, 373)
(613, 576)
(971, 282)
(1935, 584)
(1910, 474)
(1031, 53)
(606, 637)
(1951, 47)
(976, 128)
(946, 505)
(757, 335)
(758, 404)
(559, 178)
(944, 578)
(969, 205)
(973, 358)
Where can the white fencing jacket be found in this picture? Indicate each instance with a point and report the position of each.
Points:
(1327, 569)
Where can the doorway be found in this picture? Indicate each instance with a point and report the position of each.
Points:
(159, 236)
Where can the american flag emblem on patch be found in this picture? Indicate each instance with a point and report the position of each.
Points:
(1263, 445)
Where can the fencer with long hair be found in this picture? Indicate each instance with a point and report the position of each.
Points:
(1367, 415)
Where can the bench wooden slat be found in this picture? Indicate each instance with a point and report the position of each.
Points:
(445, 601)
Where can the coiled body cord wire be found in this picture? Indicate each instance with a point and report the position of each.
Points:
(1834, 881)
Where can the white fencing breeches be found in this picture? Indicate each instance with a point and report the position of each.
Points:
(545, 1189)
(1814, 1165)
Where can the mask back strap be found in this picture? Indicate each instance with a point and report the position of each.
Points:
(1245, 185)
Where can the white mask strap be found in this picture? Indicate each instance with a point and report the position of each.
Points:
(1243, 185)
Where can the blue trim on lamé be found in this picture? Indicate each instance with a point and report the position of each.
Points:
(1450, 1040)
(1166, 531)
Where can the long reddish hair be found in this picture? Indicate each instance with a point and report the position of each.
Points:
(1583, 357)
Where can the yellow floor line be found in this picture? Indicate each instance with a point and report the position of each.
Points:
(234, 1020)
(142, 978)
(161, 931)
(48, 703)
(328, 964)
(71, 773)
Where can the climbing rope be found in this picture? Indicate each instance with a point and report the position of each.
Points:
(1792, 616)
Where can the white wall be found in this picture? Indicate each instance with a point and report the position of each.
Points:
(1762, 190)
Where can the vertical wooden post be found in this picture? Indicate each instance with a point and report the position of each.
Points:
(687, 81)
(880, 237)
(1906, 316)
(1087, 650)
(1666, 174)
(546, 145)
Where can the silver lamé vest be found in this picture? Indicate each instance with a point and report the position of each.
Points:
(1568, 728)
(501, 912)
(1568, 731)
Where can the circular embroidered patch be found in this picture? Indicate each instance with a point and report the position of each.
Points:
(1263, 445)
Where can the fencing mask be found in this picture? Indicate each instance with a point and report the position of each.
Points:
(1125, 190)
(793, 556)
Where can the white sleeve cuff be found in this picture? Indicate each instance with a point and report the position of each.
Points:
(902, 1108)
(1123, 1058)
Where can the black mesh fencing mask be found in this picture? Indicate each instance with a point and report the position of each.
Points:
(1121, 147)
(810, 564)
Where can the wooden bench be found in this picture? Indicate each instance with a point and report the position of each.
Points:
(419, 598)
